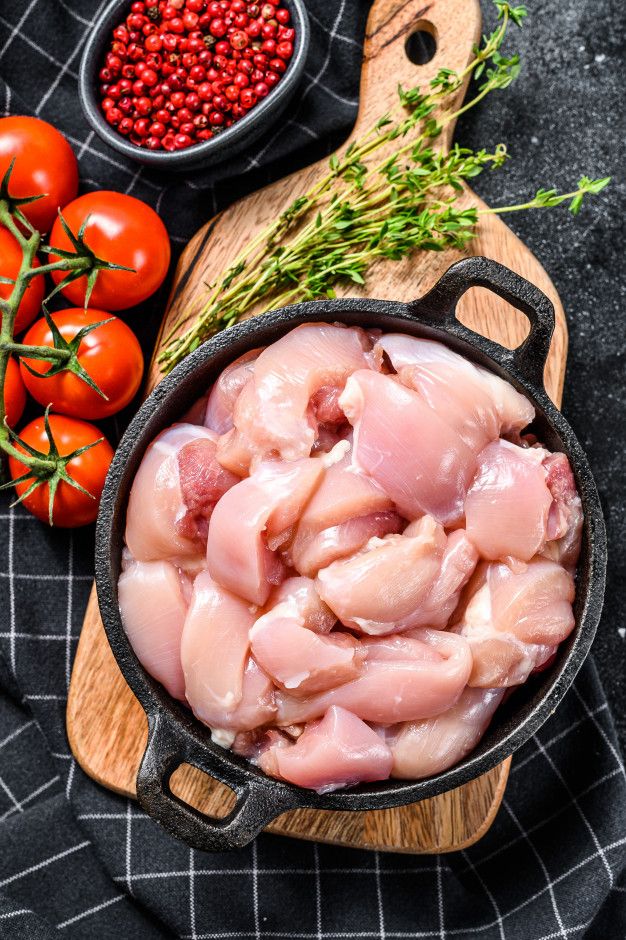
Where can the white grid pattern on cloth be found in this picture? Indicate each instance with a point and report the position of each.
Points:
(121, 830)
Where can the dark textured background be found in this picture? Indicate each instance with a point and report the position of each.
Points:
(566, 117)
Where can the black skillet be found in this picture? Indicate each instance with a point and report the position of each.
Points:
(175, 736)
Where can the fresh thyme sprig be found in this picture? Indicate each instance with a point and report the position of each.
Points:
(371, 205)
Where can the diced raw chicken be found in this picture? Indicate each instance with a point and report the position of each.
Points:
(234, 453)
(324, 405)
(253, 744)
(328, 616)
(153, 609)
(177, 484)
(264, 505)
(286, 377)
(479, 405)
(309, 554)
(382, 589)
(298, 659)
(304, 601)
(221, 402)
(338, 751)
(190, 565)
(509, 504)
(513, 620)
(257, 706)
(420, 462)
(457, 566)
(224, 687)
(414, 685)
(504, 660)
(343, 494)
(328, 436)
(565, 521)
(425, 748)
(401, 648)
(203, 481)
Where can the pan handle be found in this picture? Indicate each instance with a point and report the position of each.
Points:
(258, 802)
(439, 306)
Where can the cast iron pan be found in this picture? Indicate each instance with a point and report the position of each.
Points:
(175, 736)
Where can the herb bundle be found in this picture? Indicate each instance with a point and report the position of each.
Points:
(371, 205)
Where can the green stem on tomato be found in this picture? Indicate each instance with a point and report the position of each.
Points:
(29, 245)
(67, 264)
(49, 353)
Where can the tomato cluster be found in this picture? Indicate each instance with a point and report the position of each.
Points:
(99, 370)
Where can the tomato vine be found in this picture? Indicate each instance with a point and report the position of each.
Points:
(41, 467)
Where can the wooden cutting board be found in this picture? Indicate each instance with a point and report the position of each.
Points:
(106, 726)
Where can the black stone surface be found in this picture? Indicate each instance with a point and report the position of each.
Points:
(565, 117)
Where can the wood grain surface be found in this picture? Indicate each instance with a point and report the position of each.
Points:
(106, 726)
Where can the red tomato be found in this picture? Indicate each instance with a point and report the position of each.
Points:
(45, 164)
(71, 507)
(110, 354)
(123, 230)
(10, 261)
(14, 393)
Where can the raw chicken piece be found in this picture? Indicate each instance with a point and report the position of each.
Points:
(176, 486)
(214, 655)
(304, 601)
(457, 566)
(509, 504)
(524, 502)
(234, 453)
(298, 659)
(343, 494)
(506, 661)
(328, 436)
(257, 706)
(253, 744)
(565, 521)
(325, 406)
(400, 648)
(513, 620)
(425, 748)
(382, 589)
(404, 684)
(479, 405)
(277, 419)
(153, 609)
(264, 505)
(202, 483)
(421, 463)
(309, 554)
(338, 751)
(221, 402)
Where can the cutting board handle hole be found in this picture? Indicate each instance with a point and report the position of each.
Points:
(421, 44)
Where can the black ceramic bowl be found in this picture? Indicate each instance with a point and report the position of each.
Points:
(175, 735)
(222, 147)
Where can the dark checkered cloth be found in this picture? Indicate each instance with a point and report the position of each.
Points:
(79, 860)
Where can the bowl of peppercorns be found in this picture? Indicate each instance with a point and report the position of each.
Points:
(181, 84)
